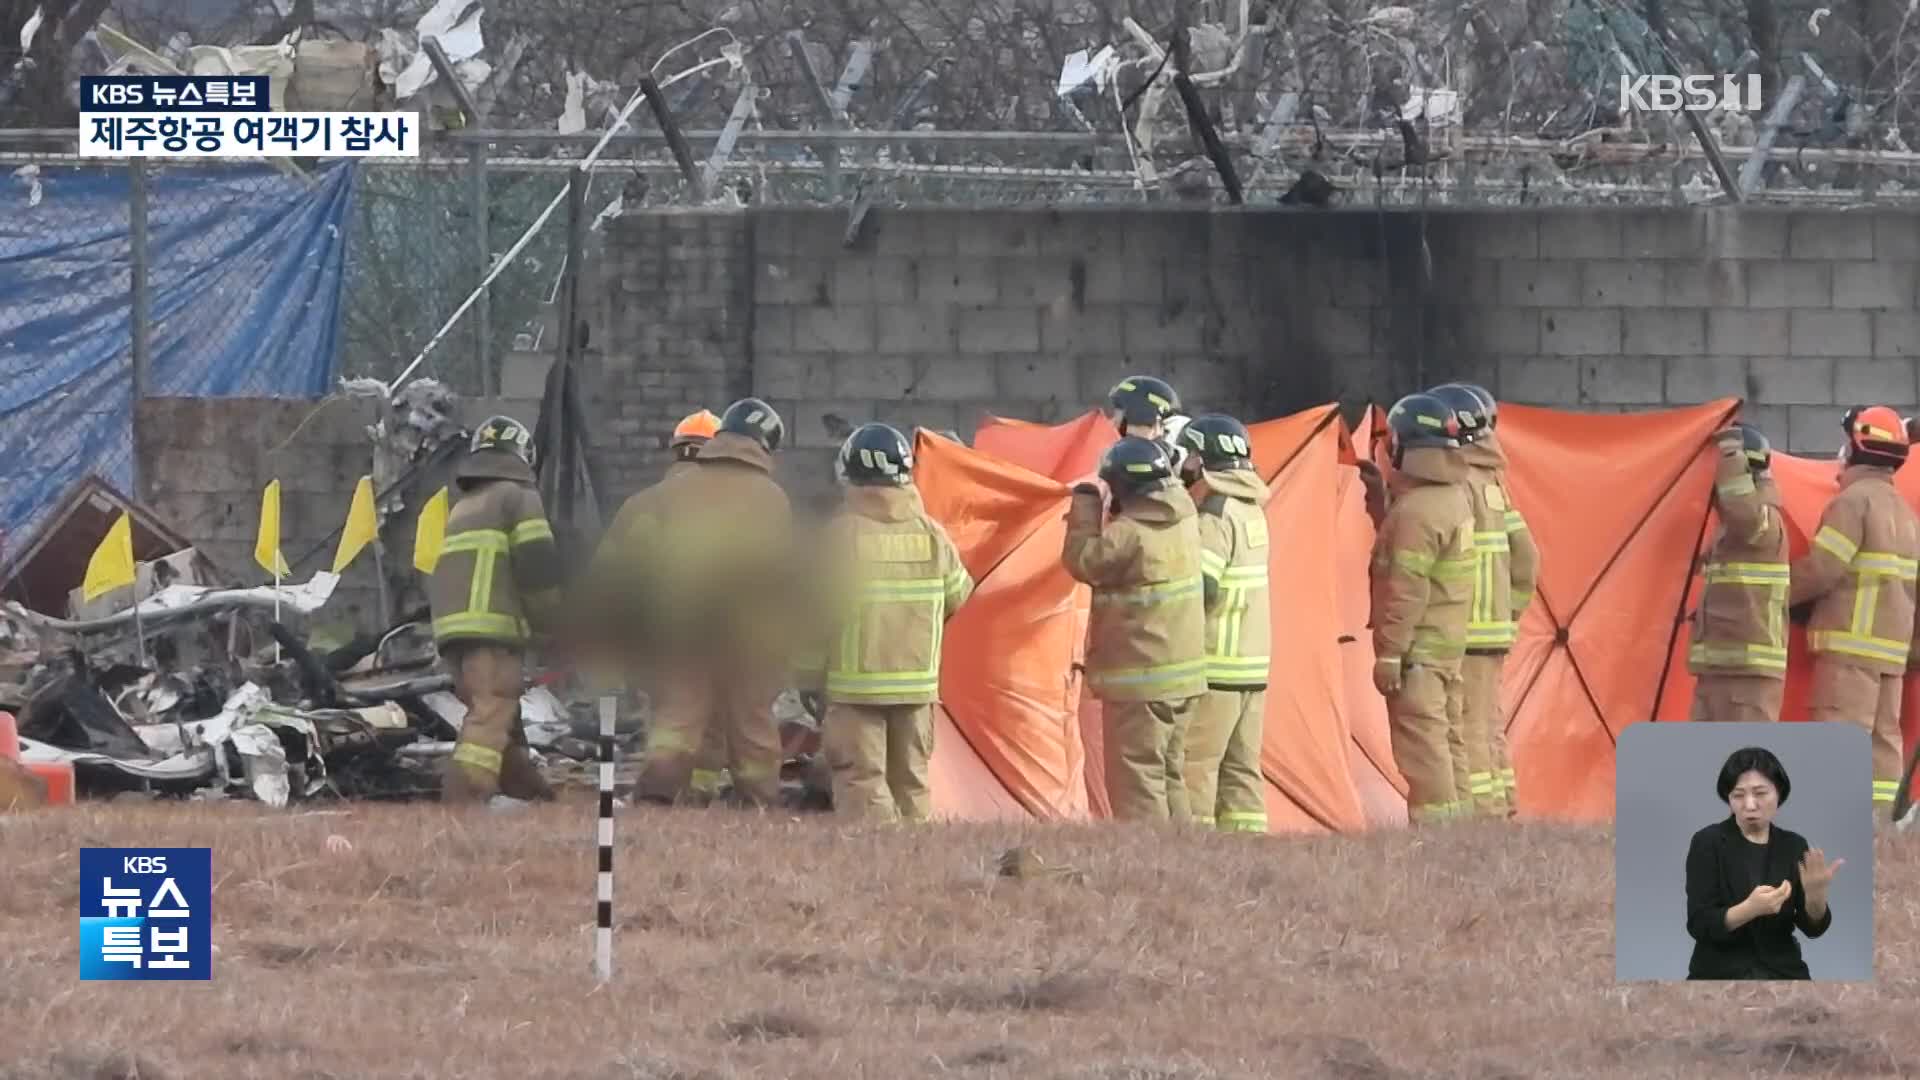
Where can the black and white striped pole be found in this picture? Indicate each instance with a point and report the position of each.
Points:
(603, 927)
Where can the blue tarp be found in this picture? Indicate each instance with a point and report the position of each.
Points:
(246, 267)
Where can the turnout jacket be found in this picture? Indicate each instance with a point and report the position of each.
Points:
(1424, 563)
(1146, 635)
(1860, 574)
(498, 577)
(1506, 561)
(1233, 570)
(1740, 627)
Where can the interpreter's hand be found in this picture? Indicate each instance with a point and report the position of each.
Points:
(1769, 899)
(1816, 873)
(1386, 676)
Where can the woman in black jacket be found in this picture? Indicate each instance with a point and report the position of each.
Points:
(1751, 882)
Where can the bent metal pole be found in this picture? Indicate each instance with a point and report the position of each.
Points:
(603, 928)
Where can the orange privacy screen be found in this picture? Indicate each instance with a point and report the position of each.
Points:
(1619, 506)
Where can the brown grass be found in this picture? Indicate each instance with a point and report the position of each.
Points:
(752, 946)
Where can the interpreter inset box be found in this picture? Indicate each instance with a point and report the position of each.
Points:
(1743, 851)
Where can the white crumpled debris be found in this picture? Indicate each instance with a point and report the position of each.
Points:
(30, 176)
(306, 599)
(544, 716)
(245, 727)
(459, 37)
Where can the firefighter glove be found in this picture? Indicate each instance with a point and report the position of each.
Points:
(1386, 676)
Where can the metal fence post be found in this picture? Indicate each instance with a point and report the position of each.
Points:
(142, 342)
(483, 308)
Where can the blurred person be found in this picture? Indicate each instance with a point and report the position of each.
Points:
(1507, 565)
(1751, 883)
(1422, 573)
(1225, 787)
(494, 589)
(894, 578)
(710, 765)
(1739, 650)
(1859, 577)
(1146, 635)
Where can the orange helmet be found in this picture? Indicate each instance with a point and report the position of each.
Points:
(695, 429)
(1876, 435)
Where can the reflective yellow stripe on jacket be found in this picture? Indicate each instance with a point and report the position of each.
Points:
(1158, 675)
(488, 547)
(1754, 656)
(1486, 627)
(846, 680)
(1430, 644)
(1237, 584)
(1868, 568)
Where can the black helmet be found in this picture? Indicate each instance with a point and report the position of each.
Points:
(1134, 465)
(1422, 420)
(756, 420)
(1143, 400)
(1755, 446)
(1486, 402)
(875, 455)
(1221, 442)
(506, 434)
(1470, 408)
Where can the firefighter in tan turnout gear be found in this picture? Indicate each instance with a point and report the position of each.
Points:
(1507, 565)
(1739, 650)
(1146, 653)
(703, 564)
(893, 580)
(692, 433)
(1423, 569)
(1225, 787)
(496, 584)
(1859, 575)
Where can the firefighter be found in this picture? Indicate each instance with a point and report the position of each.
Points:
(704, 562)
(693, 431)
(1224, 784)
(1739, 650)
(495, 587)
(1859, 577)
(894, 580)
(1508, 565)
(1141, 404)
(1146, 636)
(1422, 570)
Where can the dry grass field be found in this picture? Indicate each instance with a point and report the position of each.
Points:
(753, 946)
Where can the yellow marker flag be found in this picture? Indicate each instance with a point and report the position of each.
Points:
(266, 549)
(112, 562)
(362, 525)
(430, 533)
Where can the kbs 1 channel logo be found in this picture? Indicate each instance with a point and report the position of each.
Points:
(1689, 93)
(146, 914)
(226, 116)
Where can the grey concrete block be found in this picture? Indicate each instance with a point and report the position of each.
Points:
(989, 233)
(1151, 330)
(833, 330)
(1789, 284)
(1501, 331)
(1338, 330)
(1896, 234)
(1633, 283)
(772, 328)
(1540, 282)
(956, 281)
(1745, 232)
(953, 377)
(823, 424)
(1823, 234)
(1540, 380)
(1717, 283)
(1692, 380)
(999, 329)
(1896, 333)
(1042, 282)
(1508, 235)
(882, 378)
(1343, 283)
(1095, 330)
(1745, 333)
(1770, 419)
(1795, 380)
(1206, 384)
(524, 374)
(792, 375)
(1094, 234)
(1814, 429)
(1134, 280)
(792, 280)
(899, 232)
(1580, 332)
(1665, 332)
(920, 328)
(1664, 234)
(1881, 285)
(1829, 333)
(1038, 377)
(863, 281)
(1580, 233)
(1098, 374)
(1860, 381)
(932, 415)
(1622, 380)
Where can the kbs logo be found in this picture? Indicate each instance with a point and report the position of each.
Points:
(1690, 93)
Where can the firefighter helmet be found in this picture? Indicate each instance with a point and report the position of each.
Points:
(1421, 420)
(1471, 409)
(1876, 435)
(505, 434)
(756, 420)
(1221, 442)
(1134, 465)
(1756, 447)
(875, 455)
(1142, 400)
(696, 428)
(1487, 403)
